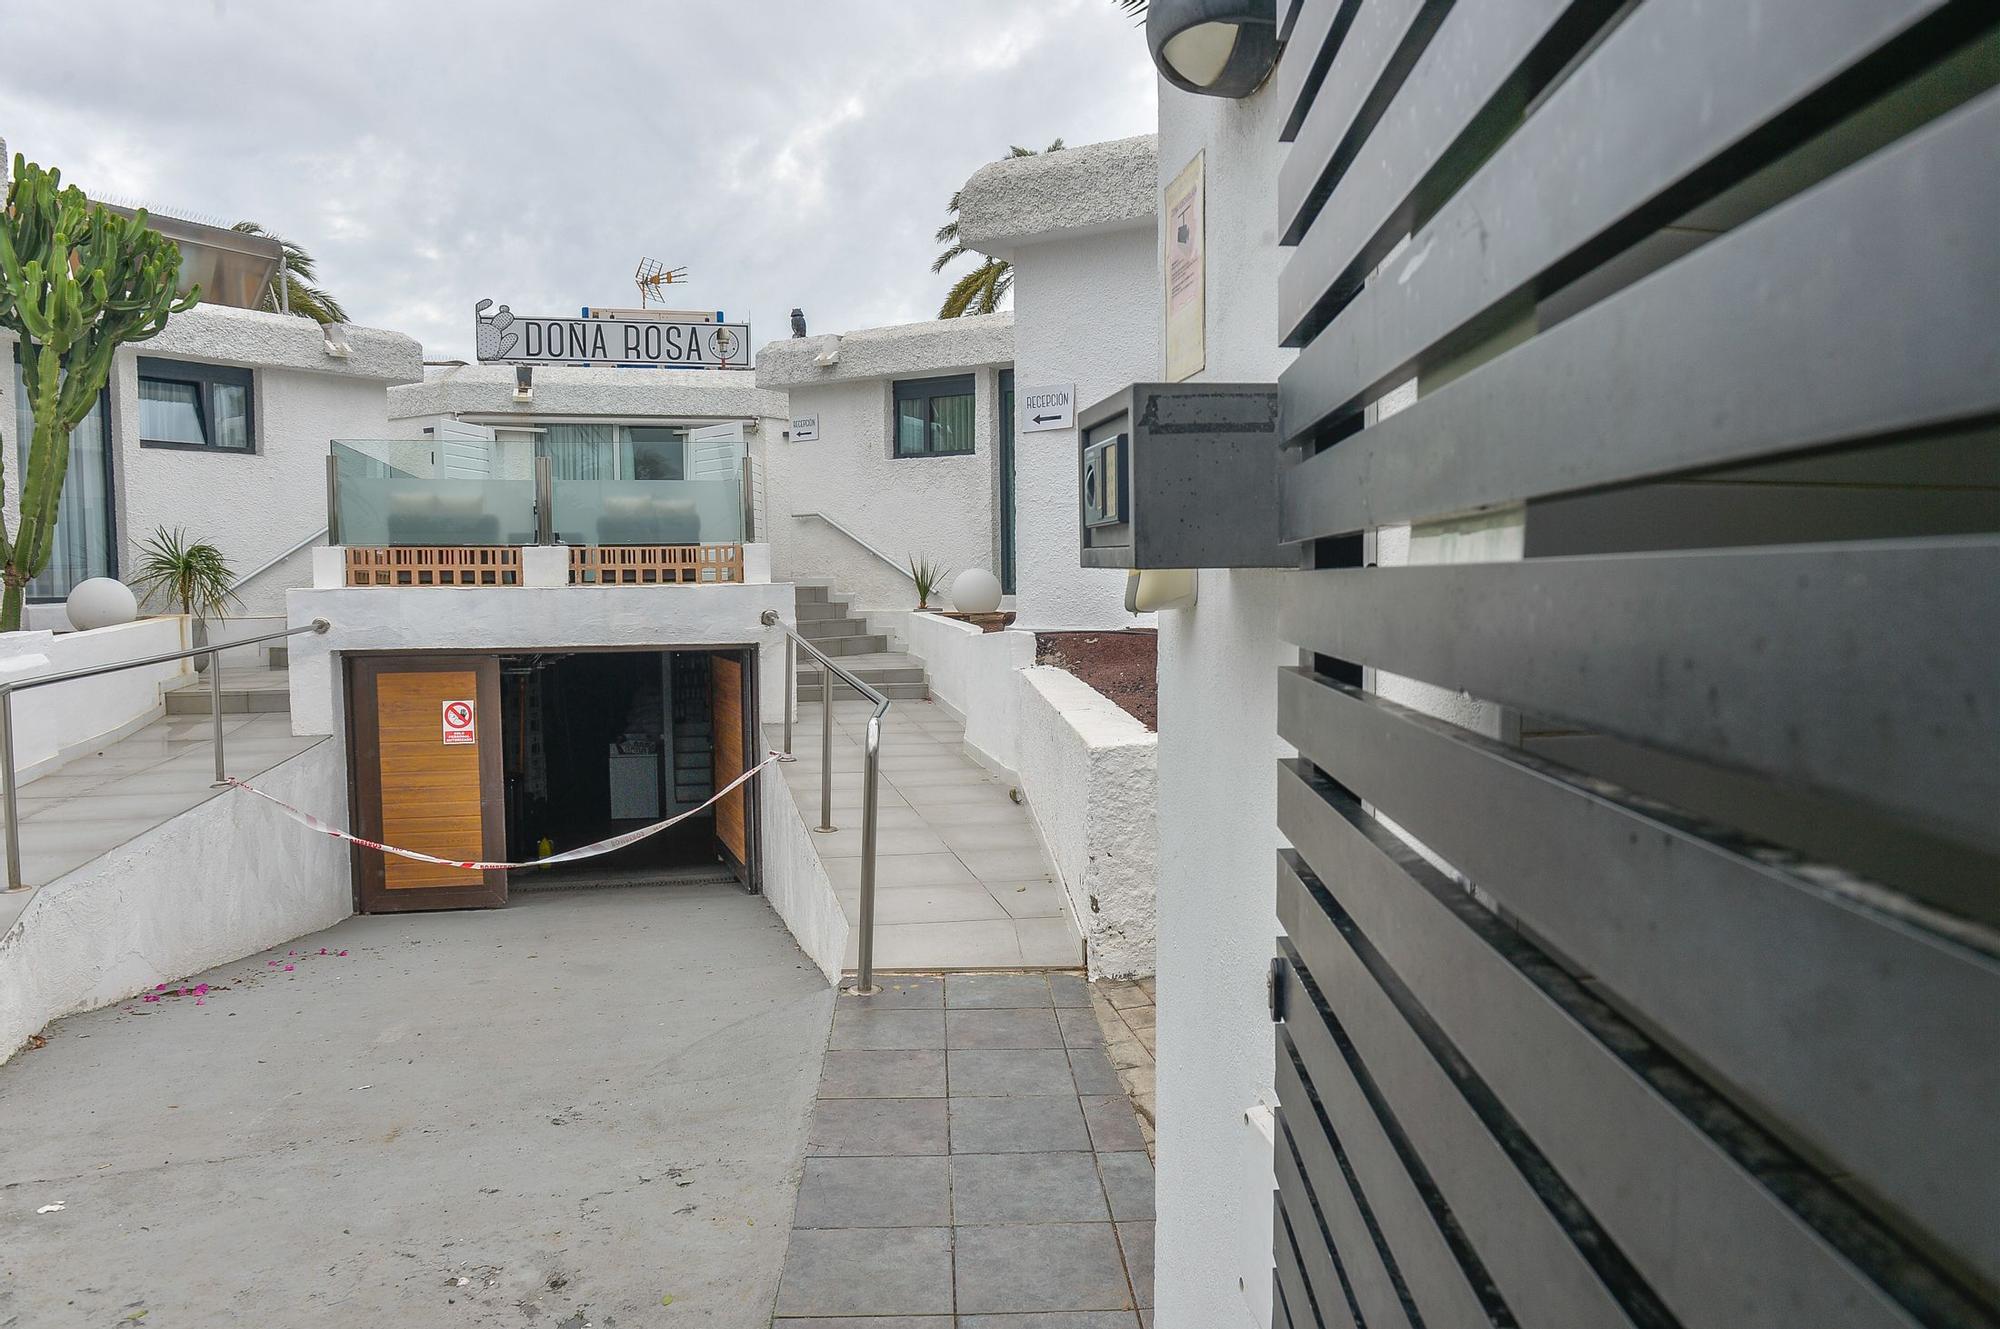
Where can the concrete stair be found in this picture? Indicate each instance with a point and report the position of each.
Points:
(825, 622)
(245, 691)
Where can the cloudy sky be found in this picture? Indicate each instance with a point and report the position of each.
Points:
(433, 152)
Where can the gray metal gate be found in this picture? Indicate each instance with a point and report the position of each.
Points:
(1687, 1012)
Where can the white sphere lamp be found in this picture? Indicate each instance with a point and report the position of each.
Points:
(975, 591)
(101, 602)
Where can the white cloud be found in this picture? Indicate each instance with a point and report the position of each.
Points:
(788, 152)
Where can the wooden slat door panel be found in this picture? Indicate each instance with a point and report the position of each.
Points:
(415, 790)
(725, 694)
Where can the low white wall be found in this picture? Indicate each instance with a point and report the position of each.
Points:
(220, 881)
(795, 880)
(56, 723)
(973, 674)
(1089, 771)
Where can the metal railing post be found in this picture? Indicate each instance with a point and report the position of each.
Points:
(7, 787)
(332, 499)
(864, 973)
(215, 710)
(545, 501)
(825, 748)
(791, 695)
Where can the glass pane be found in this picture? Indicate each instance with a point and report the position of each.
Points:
(83, 513)
(581, 452)
(170, 412)
(648, 512)
(658, 452)
(392, 492)
(232, 410)
(910, 427)
(951, 424)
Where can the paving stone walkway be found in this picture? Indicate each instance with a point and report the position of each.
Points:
(961, 878)
(973, 1163)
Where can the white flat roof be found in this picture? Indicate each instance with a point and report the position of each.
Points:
(487, 391)
(225, 335)
(905, 349)
(1023, 200)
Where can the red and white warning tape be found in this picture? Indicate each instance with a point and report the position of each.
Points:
(592, 850)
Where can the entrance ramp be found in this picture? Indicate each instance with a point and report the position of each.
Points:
(587, 1108)
(962, 881)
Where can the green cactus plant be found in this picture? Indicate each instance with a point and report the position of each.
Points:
(76, 282)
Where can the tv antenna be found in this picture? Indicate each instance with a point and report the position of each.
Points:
(652, 276)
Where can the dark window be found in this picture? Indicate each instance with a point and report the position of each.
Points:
(86, 515)
(184, 405)
(934, 416)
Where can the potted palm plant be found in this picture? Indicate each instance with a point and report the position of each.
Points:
(928, 576)
(191, 576)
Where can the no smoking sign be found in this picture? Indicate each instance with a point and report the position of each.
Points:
(458, 722)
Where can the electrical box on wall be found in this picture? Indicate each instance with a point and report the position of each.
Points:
(1181, 475)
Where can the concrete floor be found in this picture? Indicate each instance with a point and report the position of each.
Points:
(962, 881)
(558, 1114)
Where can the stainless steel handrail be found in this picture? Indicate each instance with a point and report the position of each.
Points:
(8, 783)
(864, 975)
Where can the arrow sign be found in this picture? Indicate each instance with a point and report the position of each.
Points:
(1051, 406)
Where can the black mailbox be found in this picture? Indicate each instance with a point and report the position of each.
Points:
(1181, 475)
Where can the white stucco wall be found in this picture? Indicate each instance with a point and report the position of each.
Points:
(1217, 794)
(63, 720)
(1088, 773)
(1086, 311)
(221, 881)
(796, 882)
(975, 675)
(252, 506)
(942, 508)
(526, 618)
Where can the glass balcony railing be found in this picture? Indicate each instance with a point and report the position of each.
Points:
(416, 492)
(648, 512)
(390, 492)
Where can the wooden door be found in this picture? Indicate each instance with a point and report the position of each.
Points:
(427, 776)
(725, 699)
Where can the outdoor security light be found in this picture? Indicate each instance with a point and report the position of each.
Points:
(524, 382)
(798, 322)
(1217, 48)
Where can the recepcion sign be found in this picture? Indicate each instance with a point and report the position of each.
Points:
(1050, 406)
(805, 429)
(504, 336)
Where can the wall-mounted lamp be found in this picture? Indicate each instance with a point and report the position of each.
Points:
(336, 340)
(798, 322)
(524, 382)
(1217, 48)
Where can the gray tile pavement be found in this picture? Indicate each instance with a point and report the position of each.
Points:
(956, 1186)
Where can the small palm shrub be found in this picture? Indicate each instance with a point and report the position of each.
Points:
(928, 576)
(191, 576)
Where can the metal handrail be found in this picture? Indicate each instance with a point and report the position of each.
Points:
(268, 564)
(864, 976)
(821, 516)
(8, 783)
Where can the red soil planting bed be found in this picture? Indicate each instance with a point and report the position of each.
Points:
(1124, 666)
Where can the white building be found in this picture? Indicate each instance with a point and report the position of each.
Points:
(899, 448)
(1077, 226)
(218, 426)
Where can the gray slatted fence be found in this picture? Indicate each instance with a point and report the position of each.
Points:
(1671, 997)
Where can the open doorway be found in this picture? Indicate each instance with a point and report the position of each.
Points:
(597, 743)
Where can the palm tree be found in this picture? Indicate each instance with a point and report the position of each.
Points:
(304, 298)
(978, 291)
